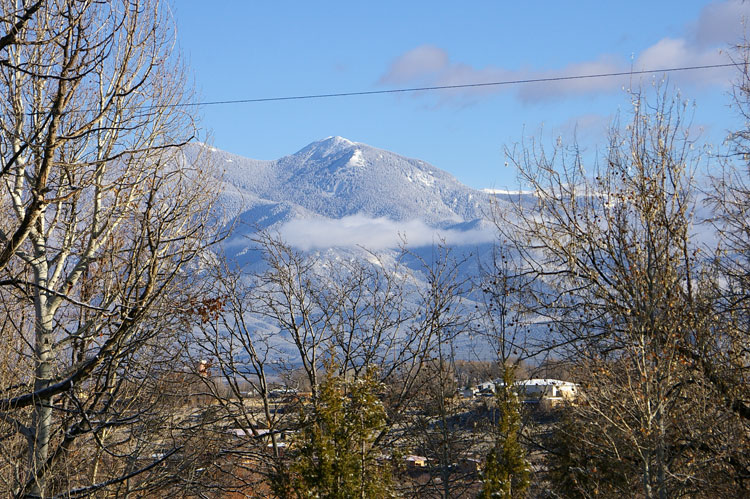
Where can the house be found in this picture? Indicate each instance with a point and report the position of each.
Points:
(469, 391)
(262, 433)
(550, 392)
(414, 462)
(486, 387)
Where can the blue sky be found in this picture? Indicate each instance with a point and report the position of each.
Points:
(240, 49)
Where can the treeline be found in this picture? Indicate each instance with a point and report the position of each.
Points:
(134, 361)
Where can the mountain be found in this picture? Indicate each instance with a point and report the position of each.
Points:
(339, 195)
(339, 199)
(336, 177)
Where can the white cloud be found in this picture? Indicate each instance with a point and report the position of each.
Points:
(373, 233)
(446, 73)
(418, 63)
(556, 89)
(679, 52)
(720, 23)
(508, 192)
(704, 42)
(707, 41)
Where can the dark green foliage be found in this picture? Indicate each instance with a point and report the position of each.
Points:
(336, 455)
(506, 472)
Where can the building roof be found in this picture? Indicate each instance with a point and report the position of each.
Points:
(538, 382)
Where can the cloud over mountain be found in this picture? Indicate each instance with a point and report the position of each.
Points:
(335, 193)
(376, 233)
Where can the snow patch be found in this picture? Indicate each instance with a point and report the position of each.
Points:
(356, 159)
(374, 260)
(507, 191)
(338, 139)
(426, 179)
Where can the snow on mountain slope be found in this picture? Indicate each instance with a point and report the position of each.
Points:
(336, 199)
(340, 196)
(335, 177)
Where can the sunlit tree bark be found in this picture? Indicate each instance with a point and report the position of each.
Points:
(101, 219)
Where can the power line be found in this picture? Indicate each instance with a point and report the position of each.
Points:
(449, 87)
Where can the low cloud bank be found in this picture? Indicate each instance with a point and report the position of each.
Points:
(374, 233)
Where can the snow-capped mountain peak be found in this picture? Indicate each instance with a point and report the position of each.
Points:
(336, 177)
(324, 148)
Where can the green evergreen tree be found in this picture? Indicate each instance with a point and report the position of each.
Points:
(506, 472)
(337, 455)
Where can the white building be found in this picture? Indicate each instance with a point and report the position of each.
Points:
(549, 391)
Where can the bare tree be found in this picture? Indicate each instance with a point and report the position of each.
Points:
(728, 365)
(505, 325)
(303, 311)
(102, 220)
(32, 40)
(278, 328)
(441, 428)
(245, 358)
(626, 294)
(16, 20)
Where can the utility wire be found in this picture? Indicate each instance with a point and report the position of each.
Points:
(416, 89)
(449, 87)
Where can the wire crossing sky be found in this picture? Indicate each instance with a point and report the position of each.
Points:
(458, 84)
(453, 87)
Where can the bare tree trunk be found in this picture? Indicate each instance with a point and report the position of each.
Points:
(623, 293)
(43, 376)
(103, 218)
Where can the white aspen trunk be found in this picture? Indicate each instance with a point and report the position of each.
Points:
(101, 217)
(43, 372)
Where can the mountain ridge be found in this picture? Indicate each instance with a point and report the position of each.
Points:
(336, 177)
